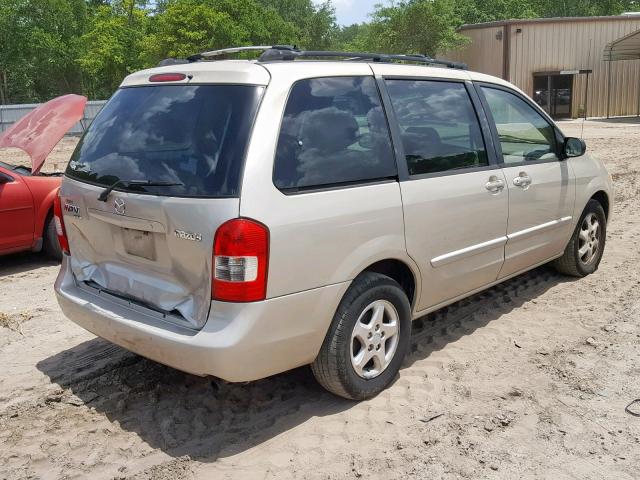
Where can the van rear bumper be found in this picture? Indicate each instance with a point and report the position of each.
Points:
(239, 342)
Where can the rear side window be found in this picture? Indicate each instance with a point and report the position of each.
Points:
(438, 125)
(334, 132)
(524, 135)
(192, 135)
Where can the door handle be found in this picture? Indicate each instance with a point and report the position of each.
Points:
(522, 180)
(494, 185)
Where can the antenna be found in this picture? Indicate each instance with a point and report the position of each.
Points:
(586, 92)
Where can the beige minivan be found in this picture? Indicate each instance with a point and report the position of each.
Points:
(239, 218)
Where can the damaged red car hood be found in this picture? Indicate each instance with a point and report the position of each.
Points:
(40, 130)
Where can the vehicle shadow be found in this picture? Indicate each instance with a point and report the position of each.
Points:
(24, 262)
(207, 419)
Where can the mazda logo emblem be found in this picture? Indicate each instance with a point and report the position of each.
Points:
(119, 206)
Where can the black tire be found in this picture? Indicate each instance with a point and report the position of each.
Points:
(570, 263)
(50, 239)
(332, 367)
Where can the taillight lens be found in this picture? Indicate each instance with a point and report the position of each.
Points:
(240, 261)
(59, 222)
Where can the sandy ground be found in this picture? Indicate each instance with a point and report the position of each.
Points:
(527, 380)
(56, 161)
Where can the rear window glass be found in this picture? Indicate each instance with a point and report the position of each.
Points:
(333, 132)
(195, 136)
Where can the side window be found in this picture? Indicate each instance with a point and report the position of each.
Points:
(438, 124)
(524, 134)
(333, 132)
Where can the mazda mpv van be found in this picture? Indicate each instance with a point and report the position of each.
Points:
(239, 218)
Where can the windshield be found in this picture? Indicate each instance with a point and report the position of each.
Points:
(192, 136)
(8, 166)
(20, 169)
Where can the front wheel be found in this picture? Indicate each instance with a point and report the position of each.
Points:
(51, 244)
(584, 251)
(368, 339)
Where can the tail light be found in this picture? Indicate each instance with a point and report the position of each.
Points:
(59, 222)
(167, 77)
(240, 258)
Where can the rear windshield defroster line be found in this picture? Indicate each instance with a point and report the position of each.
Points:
(192, 136)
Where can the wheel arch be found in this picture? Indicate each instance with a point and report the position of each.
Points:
(602, 197)
(43, 215)
(399, 271)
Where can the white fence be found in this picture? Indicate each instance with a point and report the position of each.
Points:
(9, 114)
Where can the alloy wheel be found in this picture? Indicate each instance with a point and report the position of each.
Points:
(589, 239)
(374, 339)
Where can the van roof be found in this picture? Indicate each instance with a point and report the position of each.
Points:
(224, 71)
(253, 72)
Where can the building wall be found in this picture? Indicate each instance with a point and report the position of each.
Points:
(483, 53)
(546, 46)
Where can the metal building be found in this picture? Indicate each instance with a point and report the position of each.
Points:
(573, 67)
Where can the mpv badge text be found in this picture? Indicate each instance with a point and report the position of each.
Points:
(194, 237)
(72, 209)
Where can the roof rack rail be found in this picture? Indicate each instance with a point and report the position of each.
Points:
(291, 53)
(271, 53)
(227, 51)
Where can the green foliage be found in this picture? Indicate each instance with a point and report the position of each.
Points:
(315, 25)
(415, 26)
(186, 27)
(113, 33)
(320, 29)
(39, 44)
(479, 11)
(52, 47)
(582, 8)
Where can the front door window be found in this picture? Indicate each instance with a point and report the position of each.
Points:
(524, 135)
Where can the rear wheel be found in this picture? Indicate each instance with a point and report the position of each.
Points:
(51, 243)
(584, 251)
(368, 339)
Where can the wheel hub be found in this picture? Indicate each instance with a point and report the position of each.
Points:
(374, 339)
(589, 239)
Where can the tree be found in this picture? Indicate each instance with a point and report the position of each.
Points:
(479, 11)
(52, 47)
(39, 48)
(414, 26)
(186, 27)
(321, 28)
(582, 8)
(315, 25)
(110, 47)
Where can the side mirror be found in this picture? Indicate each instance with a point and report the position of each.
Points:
(4, 178)
(574, 147)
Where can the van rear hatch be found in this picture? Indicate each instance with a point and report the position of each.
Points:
(152, 244)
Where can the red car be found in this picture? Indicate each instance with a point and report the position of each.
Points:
(27, 195)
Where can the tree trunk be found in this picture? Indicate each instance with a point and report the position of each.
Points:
(4, 100)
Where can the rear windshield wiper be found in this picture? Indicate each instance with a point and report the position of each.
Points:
(129, 183)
